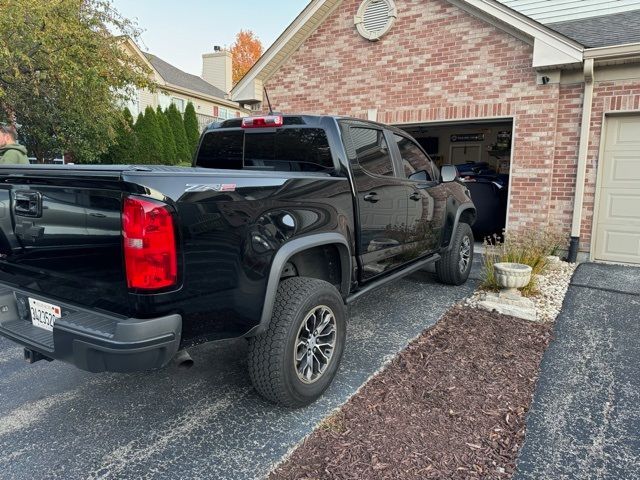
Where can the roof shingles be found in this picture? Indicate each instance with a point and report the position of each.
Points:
(177, 77)
(603, 31)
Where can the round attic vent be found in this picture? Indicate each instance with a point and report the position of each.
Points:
(375, 18)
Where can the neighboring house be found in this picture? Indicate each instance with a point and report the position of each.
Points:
(475, 80)
(209, 93)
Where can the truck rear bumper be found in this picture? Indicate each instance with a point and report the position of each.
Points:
(92, 341)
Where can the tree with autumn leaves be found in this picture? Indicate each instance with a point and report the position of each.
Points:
(246, 51)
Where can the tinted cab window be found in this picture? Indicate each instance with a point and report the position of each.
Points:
(283, 149)
(414, 159)
(371, 151)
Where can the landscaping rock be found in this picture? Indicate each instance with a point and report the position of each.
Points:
(552, 287)
(513, 305)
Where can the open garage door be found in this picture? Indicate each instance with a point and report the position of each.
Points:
(482, 152)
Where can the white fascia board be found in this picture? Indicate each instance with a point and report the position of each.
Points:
(629, 50)
(555, 48)
(247, 84)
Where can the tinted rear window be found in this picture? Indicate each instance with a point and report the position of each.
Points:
(285, 149)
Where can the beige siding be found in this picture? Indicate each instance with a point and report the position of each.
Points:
(546, 11)
(203, 107)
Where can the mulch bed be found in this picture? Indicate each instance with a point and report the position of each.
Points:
(452, 405)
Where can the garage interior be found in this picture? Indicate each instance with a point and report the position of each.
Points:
(482, 153)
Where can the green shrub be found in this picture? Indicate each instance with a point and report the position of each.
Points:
(123, 150)
(141, 153)
(191, 128)
(170, 152)
(177, 127)
(529, 247)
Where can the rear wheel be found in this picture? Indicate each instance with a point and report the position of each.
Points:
(294, 361)
(455, 265)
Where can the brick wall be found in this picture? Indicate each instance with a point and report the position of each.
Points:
(440, 63)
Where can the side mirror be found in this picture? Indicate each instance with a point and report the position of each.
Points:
(419, 176)
(448, 173)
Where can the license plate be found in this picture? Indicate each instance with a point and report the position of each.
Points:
(43, 314)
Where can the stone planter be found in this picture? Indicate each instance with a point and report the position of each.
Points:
(512, 276)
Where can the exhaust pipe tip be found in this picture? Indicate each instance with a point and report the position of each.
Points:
(183, 360)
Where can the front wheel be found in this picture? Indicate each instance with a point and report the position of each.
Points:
(455, 265)
(294, 361)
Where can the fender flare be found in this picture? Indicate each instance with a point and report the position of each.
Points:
(288, 250)
(463, 207)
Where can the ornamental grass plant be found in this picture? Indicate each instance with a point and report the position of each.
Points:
(529, 247)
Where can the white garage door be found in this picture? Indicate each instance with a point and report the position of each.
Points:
(617, 228)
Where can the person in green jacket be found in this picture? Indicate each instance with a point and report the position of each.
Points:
(10, 151)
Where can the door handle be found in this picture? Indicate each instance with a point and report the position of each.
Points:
(371, 197)
(28, 204)
(415, 197)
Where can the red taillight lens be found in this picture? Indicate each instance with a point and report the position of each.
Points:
(150, 253)
(269, 121)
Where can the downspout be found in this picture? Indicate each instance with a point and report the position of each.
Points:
(581, 171)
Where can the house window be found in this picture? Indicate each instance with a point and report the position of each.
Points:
(179, 103)
(164, 100)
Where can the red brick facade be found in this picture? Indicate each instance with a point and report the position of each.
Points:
(440, 63)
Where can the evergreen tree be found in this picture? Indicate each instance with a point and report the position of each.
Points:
(141, 155)
(155, 141)
(169, 142)
(123, 150)
(191, 128)
(177, 127)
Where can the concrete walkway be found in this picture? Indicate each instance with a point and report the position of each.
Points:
(585, 418)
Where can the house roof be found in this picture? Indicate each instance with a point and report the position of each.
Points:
(602, 31)
(175, 76)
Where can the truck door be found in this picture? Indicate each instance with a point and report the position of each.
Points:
(427, 200)
(382, 200)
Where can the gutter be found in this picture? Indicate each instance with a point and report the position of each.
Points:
(615, 52)
(581, 172)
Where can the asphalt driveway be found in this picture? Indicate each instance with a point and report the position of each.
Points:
(585, 417)
(59, 422)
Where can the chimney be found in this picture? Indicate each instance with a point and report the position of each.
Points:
(216, 68)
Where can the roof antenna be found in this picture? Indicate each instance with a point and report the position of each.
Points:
(266, 94)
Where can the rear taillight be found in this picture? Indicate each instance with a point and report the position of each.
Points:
(149, 244)
(269, 121)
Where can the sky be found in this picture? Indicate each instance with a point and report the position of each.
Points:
(179, 32)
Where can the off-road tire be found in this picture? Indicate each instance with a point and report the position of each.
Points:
(271, 354)
(448, 269)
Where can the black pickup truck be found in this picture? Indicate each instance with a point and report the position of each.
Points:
(281, 222)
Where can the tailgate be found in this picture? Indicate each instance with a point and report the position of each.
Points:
(61, 235)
